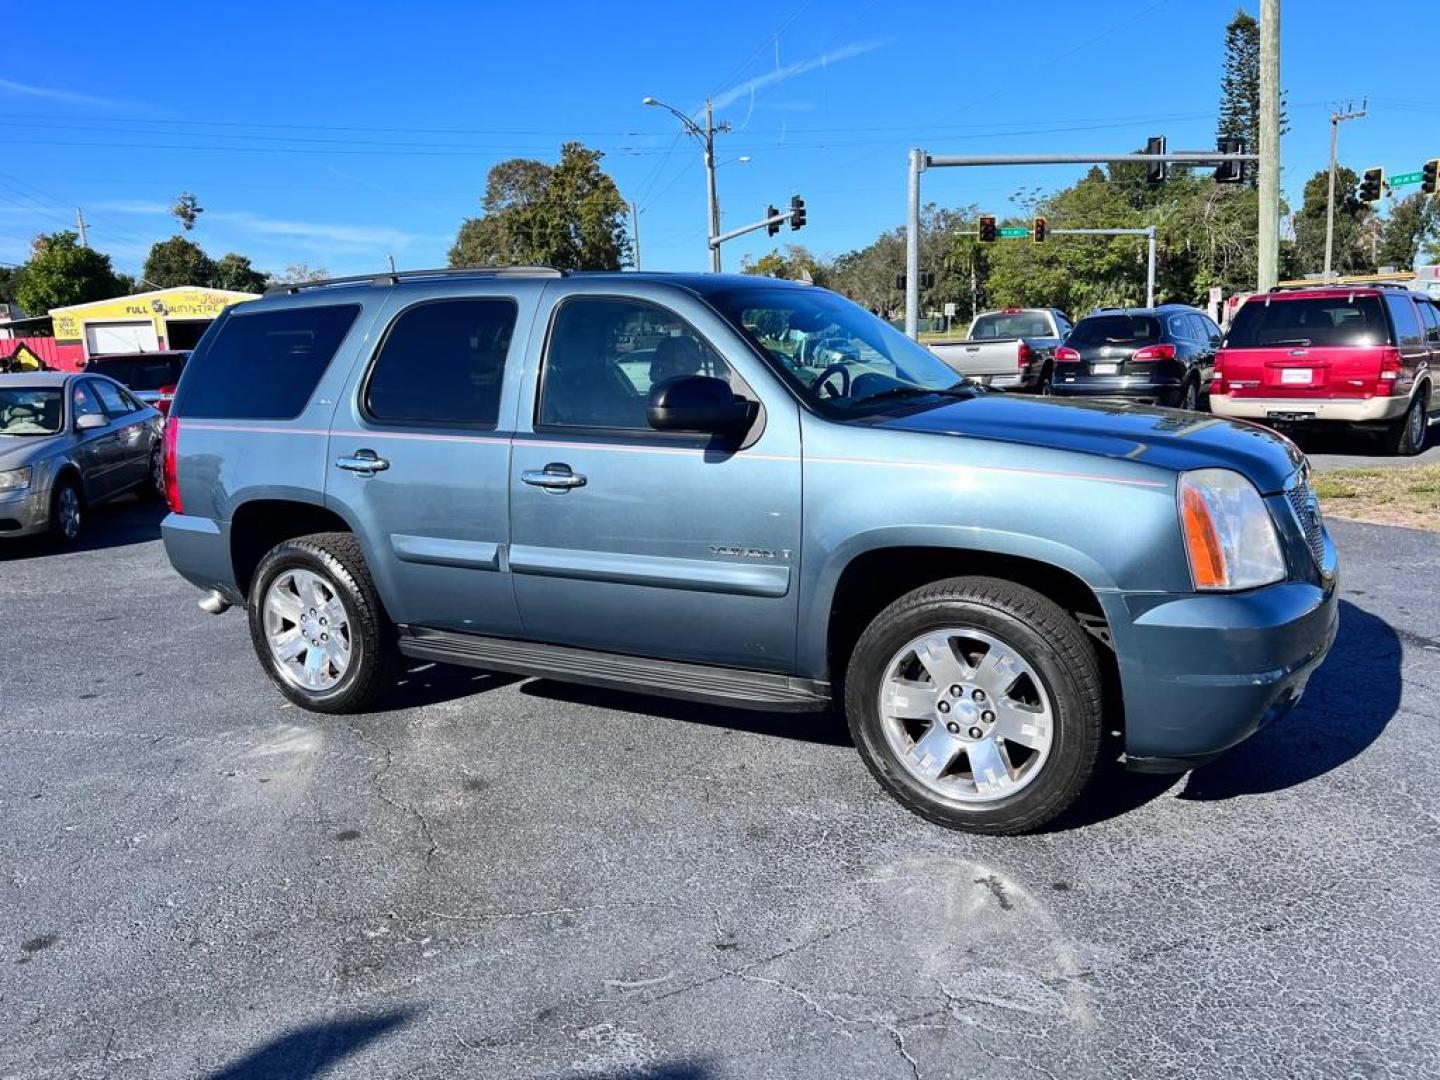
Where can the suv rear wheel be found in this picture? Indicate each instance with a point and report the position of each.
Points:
(1406, 436)
(976, 703)
(317, 624)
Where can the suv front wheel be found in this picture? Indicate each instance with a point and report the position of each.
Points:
(317, 624)
(976, 703)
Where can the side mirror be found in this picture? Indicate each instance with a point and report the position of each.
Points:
(90, 421)
(697, 403)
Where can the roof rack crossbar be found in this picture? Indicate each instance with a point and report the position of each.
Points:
(395, 277)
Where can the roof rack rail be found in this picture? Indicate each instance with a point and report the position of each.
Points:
(395, 277)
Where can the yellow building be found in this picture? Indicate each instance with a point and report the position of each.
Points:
(146, 322)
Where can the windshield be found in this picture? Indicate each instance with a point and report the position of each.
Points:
(842, 360)
(1316, 320)
(1010, 324)
(1114, 330)
(30, 410)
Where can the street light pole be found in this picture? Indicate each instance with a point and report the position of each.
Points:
(1336, 119)
(706, 135)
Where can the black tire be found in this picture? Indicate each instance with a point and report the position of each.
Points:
(1401, 438)
(63, 528)
(1046, 637)
(1047, 382)
(337, 558)
(1188, 397)
(153, 488)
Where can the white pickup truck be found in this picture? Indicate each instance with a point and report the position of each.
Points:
(1013, 348)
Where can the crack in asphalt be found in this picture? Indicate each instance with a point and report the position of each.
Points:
(432, 847)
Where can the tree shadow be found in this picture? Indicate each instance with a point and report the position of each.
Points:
(311, 1050)
(1347, 705)
(825, 728)
(126, 521)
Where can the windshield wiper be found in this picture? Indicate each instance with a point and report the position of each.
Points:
(959, 390)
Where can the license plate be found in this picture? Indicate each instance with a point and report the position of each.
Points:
(1275, 414)
(1295, 375)
(1104, 369)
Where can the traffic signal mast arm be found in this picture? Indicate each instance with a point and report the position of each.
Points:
(797, 208)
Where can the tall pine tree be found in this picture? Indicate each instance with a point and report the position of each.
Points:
(1240, 85)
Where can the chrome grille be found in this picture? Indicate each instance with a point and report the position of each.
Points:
(1306, 508)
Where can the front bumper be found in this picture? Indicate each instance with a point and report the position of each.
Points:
(1201, 673)
(24, 513)
(1147, 390)
(1343, 410)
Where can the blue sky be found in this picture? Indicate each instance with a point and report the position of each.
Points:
(334, 134)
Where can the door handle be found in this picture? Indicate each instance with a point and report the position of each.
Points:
(363, 462)
(555, 477)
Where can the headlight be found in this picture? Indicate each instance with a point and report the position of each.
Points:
(15, 479)
(1229, 535)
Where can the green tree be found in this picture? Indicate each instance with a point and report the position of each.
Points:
(186, 209)
(61, 272)
(235, 273)
(177, 261)
(1240, 85)
(794, 263)
(298, 273)
(9, 278)
(570, 216)
(1411, 225)
(1352, 247)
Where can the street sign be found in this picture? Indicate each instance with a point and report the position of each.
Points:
(1014, 231)
(1401, 179)
(949, 309)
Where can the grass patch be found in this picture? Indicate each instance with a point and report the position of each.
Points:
(1408, 495)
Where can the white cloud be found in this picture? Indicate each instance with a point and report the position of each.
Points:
(49, 93)
(129, 206)
(800, 67)
(350, 236)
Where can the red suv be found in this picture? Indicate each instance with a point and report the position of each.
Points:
(1359, 355)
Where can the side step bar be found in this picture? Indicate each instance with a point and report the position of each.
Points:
(667, 678)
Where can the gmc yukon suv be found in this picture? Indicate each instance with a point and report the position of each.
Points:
(1334, 354)
(630, 480)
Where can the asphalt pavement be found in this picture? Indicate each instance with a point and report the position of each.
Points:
(1341, 449)
(501, 878)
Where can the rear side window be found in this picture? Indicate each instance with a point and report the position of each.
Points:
(442, 363)
(1308, 321)
(111, 397)
(263, 366)
(1407, 323)
(1115, 330)
(1431, 318)
(1010, 324)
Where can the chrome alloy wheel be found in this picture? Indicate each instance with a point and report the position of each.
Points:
(67, 509)
(307, 629)
(966, 715)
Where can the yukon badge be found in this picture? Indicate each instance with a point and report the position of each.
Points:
(735, 551)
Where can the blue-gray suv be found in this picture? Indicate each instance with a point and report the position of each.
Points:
(647, 481)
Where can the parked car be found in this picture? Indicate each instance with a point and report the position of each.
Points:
(1013, 348)
(151, 377)
(989, 583)
(69, 441)
(1163, 355)
(1362, 356)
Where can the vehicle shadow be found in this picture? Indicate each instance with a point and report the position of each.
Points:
(311, 1050)
(426, 683)
(1347, 705)
(126, 521)
(826, 728)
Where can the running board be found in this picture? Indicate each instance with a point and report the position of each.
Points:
(668, 678)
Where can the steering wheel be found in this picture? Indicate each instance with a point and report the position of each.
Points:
(820, 385)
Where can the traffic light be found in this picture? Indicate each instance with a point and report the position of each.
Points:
(927, 279)
(797, 212)
(1038, 229)
(1429, 178)
(1372, 185)
(774, 226)
(1230, 172)
(1156, 170)
(989, 233)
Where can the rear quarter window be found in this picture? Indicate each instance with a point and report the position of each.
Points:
(1305, 322)
(262, 366)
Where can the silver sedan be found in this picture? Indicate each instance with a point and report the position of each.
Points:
(67, 442)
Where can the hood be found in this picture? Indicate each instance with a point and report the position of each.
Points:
(17, 451)
(1165, 438)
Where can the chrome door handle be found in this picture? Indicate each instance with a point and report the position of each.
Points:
(363, 462)
(555, 476)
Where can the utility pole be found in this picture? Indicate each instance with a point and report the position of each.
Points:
(80, 225)
(1336, 119)
(1269, 241)
(706, 135)
(635, 228)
